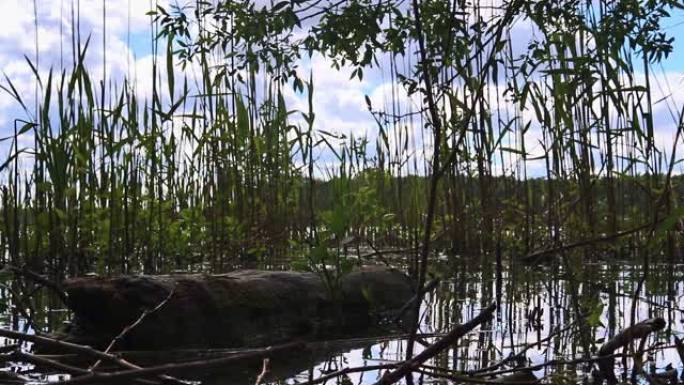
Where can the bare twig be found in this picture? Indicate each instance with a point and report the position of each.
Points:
(418, 297)
(44, 362)
(521, 378)
(264, 371)
(54, 286)
(18, 355)
(637, 331)
(130, 327)
(342, 372)
(587, 242)
(554, 362)
(125, 375)
(459, 331)
(183, 355)
(81, 349)
(521, 352)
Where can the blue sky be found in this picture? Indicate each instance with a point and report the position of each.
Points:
(339, 104)
(675, 28)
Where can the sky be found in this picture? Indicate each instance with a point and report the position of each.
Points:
(339, 103)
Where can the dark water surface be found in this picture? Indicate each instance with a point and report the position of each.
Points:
(537, 303)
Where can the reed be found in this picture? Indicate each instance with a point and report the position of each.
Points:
(213, 171)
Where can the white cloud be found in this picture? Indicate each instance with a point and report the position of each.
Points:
(54, 40)
(338, 102)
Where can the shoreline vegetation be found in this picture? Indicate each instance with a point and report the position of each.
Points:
(513, 150)
(215, 172)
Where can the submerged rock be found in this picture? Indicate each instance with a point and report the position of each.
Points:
(237, 309)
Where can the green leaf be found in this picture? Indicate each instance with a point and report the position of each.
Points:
(594, 318)
(280, 6)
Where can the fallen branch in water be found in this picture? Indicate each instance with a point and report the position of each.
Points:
(81, 349)
(9, 377)
(482, 371)
(588, 242)
(667, 377)
(622, 339)
(382, 253)
(417, 297)
(345, 371)
(130, 327)
(559, 362)
(668, 306)
(434, 349)
(463, 376)
(126, 375)
(522, 377)
(264, 371)
(38, 361)
(19, 356)
(54, 286)
(183, 355)
(411, 302)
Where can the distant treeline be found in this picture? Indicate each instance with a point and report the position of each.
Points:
(371, 209)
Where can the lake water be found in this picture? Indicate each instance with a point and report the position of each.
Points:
(537, 303)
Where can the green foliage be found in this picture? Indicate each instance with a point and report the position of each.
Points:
(216, 172)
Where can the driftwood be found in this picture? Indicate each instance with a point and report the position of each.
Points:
(524, 377)
(315, 350)
(521, 353)
(7, 377)
(132, 326)
(587, 242)
(265, 369)
(169, 311)
(349, 370)
(459, 331)
(403, 368)
(283, 363)
(240, 309)
(42, 362)
(80, 349)
(417, 297)
(640, 330)
(39, 279)
(128, 375)
(45, 363)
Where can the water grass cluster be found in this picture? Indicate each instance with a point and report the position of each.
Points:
(486, 141)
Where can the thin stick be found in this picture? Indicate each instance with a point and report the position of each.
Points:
(182, 355)
(124, 375)
(54, 286)
(459, 331)
(82, 349)
(18, 355)
(344, 371)
(44, 362)
(626, 336)
(521, 352)
(418, 297)
(587, 242)
(472, 380)
(264, 371)
(130, 327)
(575, 361)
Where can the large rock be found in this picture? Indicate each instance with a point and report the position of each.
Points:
(238, 309)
